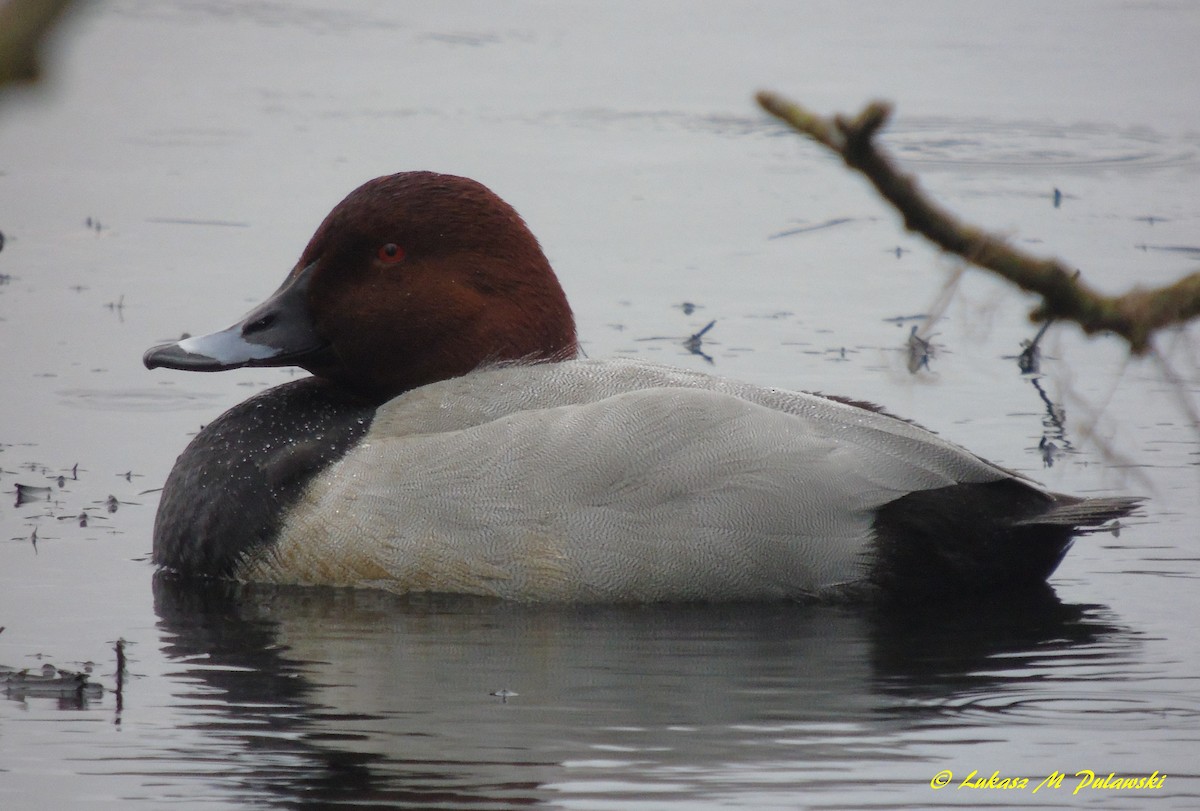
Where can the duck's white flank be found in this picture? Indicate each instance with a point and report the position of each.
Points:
(609, 480)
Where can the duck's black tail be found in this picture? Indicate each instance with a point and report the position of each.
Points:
(969, 539)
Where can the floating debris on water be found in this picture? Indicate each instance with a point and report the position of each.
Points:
(1030, 359)
(804, 229)
(1049, 451)
(72, 688)
(920, 351)
(28, 493)
(84, 518)
(49, 682)
(694, 342)
(1187, 250)
(900, 320)
(190, 221)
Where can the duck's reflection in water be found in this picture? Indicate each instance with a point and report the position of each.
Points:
(357, 698)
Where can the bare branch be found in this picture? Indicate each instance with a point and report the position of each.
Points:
(23, 26)
(1135, 315)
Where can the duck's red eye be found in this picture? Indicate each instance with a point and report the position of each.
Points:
(391, 253)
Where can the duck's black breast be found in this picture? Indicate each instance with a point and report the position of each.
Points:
(231, 489)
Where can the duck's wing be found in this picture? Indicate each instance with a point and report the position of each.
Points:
(491, 394)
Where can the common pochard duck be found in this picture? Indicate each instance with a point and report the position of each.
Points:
(450, 439)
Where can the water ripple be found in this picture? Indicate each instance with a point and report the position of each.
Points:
(135, 400)
(940, 142)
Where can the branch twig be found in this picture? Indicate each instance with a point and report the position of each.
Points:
(23, 26)
(1135, 315)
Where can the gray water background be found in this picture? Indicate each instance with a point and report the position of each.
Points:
(173, 164)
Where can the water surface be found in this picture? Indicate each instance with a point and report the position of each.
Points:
(170, 172)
